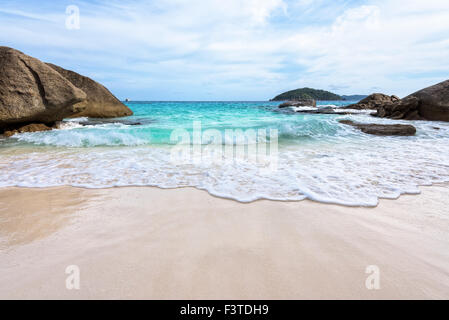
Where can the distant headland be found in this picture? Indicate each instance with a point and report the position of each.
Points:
(315, 94)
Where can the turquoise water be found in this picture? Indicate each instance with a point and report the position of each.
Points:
(221, 116)
(159, 119)
(298, 156)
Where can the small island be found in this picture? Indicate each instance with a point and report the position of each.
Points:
(307, 94)
(315, 94)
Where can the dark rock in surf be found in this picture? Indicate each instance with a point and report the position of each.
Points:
(373, 102)
(34, 127)
(431, 103)
(405, 109)
(299, 103)
(382, 129)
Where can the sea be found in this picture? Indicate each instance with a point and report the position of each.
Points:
(245, 151)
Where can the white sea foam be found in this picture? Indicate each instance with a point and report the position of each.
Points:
(68, 125)
(303, 108)
(328, 106)
(347, 167)
(67, 137)
(355, 111)
(81, 119)
(335, 108)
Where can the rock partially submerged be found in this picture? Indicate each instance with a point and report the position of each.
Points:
(431, 103)
(34, 127)
(405, 109)
(333, 110)
(310, 107)
(383, 129)
(32, 92)
(299, 103)
(96, 122)
(373, 102)
(100, 102)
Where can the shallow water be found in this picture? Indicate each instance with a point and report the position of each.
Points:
(315, 157)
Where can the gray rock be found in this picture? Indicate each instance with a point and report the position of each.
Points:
(405, 109)
(373, 102)
(327, 110)
(100, 103)
(383, 129)
(299, 103)
(32, 92)
(34, 127)
(137, 122)
(433, 102)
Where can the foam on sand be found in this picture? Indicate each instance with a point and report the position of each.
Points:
(350, 168)
(318, 158)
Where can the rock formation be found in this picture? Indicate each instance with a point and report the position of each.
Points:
(32, 92)
(34, 127)
(405, 109)
(431, 103)
(372, 102)
(299, 103)
(383, 129)
(100, 102)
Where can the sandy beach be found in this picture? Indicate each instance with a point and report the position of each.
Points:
(149, 243)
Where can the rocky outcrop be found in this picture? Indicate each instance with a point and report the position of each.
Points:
(383, 129)
(299, 103)
(100, 102)
(431, 103)
(32, 92)
(405, 109)
(373, 102)
(34, 127)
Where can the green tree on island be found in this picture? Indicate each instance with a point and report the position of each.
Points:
(307, 93)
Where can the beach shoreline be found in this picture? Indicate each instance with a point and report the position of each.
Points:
(151, 243)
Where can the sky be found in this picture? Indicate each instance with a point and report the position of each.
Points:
(207, 50)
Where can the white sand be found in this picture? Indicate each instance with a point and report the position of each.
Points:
(147, 243)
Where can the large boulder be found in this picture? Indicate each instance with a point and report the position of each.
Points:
(100, 103)
(405, 109)
(431, 103)
(373, 102)
(382, 129)
(32, 92)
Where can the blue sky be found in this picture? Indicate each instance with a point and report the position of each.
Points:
(238, 49)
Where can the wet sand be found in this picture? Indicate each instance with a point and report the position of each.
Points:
(148, 243)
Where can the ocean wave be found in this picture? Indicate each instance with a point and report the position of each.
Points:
(304, 108)
(80, 119)
(318, 158)
(79, 138)
(355, 174)
(355, 111)
(74, 134)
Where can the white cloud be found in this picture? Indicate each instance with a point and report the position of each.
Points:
(30, 15)
(261, 10)
(241, 49)
(351, 19)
